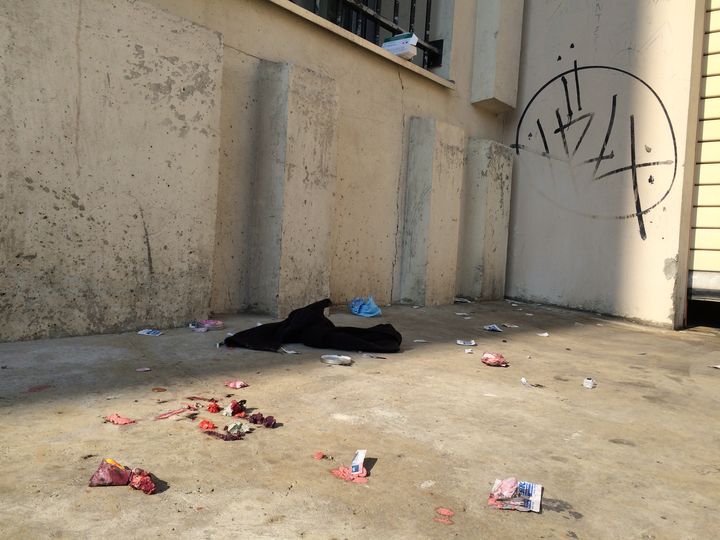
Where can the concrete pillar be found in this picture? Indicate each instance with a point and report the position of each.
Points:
(289, 253)
(485, 220)
(432, 211)
(496, 56)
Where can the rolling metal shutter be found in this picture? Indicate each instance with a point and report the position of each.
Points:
(705, 239)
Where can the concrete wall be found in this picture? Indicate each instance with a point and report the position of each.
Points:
(375, 100)
(485, 218)
(436, 155)
(601, 134)
(108, 168)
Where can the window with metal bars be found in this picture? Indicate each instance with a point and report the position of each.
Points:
(376, 20)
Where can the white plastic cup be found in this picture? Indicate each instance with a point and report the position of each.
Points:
(589, 383)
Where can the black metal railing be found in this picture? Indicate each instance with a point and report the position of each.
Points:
(376, 20)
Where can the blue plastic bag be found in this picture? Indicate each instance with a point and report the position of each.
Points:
(359, 306)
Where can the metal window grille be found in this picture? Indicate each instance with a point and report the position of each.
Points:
(376, 20)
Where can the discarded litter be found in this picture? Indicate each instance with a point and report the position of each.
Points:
(509, 494)
(236, 408)
(461, 314)
(149, 332)
(508, 325)
(357, 463)
(446, 514)
(364, 308)
(175, 412)
(213, 407)
(589, 383)
(543, 334)
(514, 305)
(258, 418)
(204, 325)
(494, 359)
(492, 328)
(118, 420)
(370, 355)
(111, 473)
(319, 455)
(225, 436)
(237, 428)
(206, 425)
(343, 473)
(236, 383)
(143, 369)
(159, 389)
(288, 351)
(529, 314)
(336, 359)
(526, 383)
(466, 342)
(715, 367)
(460, 300)
(420, 341)
(469, 351)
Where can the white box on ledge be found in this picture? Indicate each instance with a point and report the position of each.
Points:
(402, 45)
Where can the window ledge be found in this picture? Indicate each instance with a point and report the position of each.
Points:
(357, 40)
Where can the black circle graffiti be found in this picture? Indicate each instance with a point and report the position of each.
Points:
(566, 78)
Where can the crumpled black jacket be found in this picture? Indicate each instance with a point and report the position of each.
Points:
(309, 326)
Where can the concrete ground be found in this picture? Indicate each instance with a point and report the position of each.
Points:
(636, 457)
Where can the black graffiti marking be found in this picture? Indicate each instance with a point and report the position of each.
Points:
(590, 117)
(561, 130)
(575, 70)
(607, 137)
(637, 166)
(567, 98)
(577, 85)
(633, 168)
(542, 134)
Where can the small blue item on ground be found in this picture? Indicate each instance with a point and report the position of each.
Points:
(150, 332)
(492, 328)
(359, 306)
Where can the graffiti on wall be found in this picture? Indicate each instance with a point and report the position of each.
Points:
(605, 140)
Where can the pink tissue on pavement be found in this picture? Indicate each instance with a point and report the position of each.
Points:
(494, 359)
(119, 420)
(505, 489)
(344, 473)
(237, 384)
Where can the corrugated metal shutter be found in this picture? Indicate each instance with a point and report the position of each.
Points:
(705, 240)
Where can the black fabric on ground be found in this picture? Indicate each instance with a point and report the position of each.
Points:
(310, 327)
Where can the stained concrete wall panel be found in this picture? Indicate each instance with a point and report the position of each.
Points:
(486, 214)
(310, 178)
(588, 230)
(109, 166)
(239, 146)
(436, 153)
(268, 188)
(293, 189)
(444, 231)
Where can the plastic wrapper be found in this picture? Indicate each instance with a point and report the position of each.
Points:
(509, 494)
